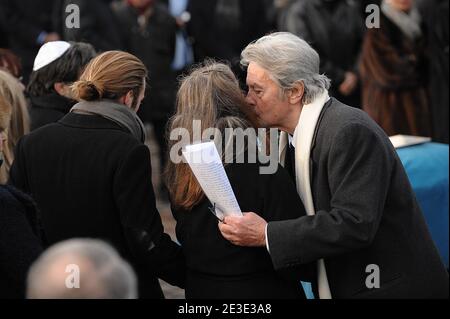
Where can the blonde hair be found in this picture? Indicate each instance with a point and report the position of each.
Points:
(111, 75)
(5, 114)
(211, 94)
(11, 92)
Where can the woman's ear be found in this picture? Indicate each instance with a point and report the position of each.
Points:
(296, 93)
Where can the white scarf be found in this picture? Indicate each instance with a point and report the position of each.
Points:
(409, 22)
(303, 137)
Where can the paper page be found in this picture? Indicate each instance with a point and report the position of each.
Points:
(406, 140)
(207, 167)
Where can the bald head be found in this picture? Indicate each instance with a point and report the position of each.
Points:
(81, 269)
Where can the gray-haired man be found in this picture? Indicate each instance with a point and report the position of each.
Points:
(364, 227)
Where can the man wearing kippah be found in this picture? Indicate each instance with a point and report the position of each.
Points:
(57, 65)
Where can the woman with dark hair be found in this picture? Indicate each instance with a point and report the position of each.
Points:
(216, 268)
(20, 235)
(49, 87)
(90, 173)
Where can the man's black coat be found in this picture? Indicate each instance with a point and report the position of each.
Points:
(366, 214)
(92, 179)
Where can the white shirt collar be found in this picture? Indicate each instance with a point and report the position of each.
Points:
(291, 138)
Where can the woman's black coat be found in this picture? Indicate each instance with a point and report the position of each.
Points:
(219, 269)
(20, 241)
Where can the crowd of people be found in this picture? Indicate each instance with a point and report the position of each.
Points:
(75, 104)
(397, 72)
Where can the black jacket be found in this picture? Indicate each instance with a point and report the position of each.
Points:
(335, 30)
(92, 179)
(435, 14)
(20, 241)
(24, 20)
(219, 269)
(366, 213)
(98, 25)
(48, 109)
(154, 44)
(3, 35)
(215, 39)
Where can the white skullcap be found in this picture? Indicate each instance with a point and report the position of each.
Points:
(49, 52)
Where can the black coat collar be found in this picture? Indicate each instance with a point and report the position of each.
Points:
(319, 121)
(52, 101)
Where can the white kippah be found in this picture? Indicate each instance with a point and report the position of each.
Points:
(49, 52)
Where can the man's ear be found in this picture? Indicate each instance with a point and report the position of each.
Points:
(60, 88)
(296, 93)
(128, 99)
(63, 89)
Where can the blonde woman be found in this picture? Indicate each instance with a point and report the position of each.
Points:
(11, 90)
(20, 235)
(5, 117)
(216, 268)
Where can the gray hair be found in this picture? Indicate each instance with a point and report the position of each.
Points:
(288, 60)
(104, 274)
